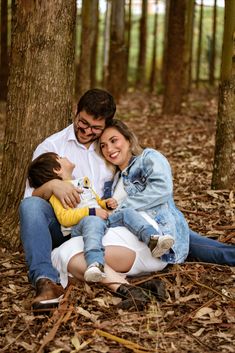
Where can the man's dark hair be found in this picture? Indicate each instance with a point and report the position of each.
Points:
(41, 169)
(98, 103)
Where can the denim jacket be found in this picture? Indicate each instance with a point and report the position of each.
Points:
(148, 183)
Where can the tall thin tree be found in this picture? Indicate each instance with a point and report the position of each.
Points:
(165, 41)
(173, 92)
(153, 74)
(94, 47)
(199, 45)
(213, 46)
(117, 56)
(189, 22)
(223, 171)
(128, 27)
(88, 38)
(141, 66)
(40, 94)
(106, 42)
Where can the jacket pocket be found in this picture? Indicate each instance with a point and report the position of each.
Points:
(139, 179)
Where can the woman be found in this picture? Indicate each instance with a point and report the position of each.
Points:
(123, 252)
(145, 180)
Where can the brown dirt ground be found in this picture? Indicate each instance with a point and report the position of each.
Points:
(199, 314)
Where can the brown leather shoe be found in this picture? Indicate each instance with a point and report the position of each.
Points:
(48, 295)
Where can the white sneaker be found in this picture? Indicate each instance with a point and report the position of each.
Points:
(94, 273)
(163, 244)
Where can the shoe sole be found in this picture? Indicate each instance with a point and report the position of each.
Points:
(95, 275)
(164, 244)
(45, 306)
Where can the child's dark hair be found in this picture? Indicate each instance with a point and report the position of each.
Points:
(98, 103)
(42, 169)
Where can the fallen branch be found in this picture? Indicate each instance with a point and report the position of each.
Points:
(128, 344)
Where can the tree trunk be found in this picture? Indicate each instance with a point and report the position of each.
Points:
(117, 57)
(152, 81)
(40, 94)
(223, 171)
(174, 74)
(88, 37)
(128, 26)
(188, 45)
(4, 67)
(140, 75)
(95, 44)
(213, 46)
(106, 42)
(199, 47)
(165, 42)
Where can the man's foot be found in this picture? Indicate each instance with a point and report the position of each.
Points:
(159, 245)
(133, 297)
(94, 273)
(48, 295)
(154, 287)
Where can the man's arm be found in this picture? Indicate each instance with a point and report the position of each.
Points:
(66, 193)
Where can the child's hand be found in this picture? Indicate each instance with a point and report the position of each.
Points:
(111, 203)
(103, 214)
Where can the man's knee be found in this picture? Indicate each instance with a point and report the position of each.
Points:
(33, 202)
(34, 206)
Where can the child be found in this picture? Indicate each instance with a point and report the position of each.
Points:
(50, 166)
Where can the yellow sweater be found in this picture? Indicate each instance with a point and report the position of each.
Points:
(71, 216)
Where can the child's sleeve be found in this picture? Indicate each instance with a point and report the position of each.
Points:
(101, 202)
(67, 217)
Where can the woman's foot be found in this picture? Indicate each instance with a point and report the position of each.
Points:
(94, 273)
(159, 245)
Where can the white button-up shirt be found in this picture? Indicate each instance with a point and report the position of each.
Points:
(87, 161)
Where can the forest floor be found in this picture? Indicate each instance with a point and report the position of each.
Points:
(199, 313)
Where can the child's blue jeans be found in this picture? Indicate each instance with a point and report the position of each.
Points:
(93, 228)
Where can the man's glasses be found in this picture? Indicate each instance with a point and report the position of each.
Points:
(83, 124)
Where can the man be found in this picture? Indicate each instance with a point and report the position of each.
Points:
(40, 231)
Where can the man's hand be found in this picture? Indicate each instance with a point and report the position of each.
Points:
(67, 193)
(111, 203)
(103, 214)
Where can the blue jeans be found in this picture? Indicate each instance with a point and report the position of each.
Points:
(204, 249)
(40, 233)
(93, 228)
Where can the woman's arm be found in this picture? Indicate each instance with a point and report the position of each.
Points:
(158, 186)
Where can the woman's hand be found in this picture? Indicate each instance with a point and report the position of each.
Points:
(67, 193)
(103, 214)
(111, 203)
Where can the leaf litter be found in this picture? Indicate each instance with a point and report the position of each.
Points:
(199, 312)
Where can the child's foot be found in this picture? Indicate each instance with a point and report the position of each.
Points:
(94, 273)
(159, 245)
